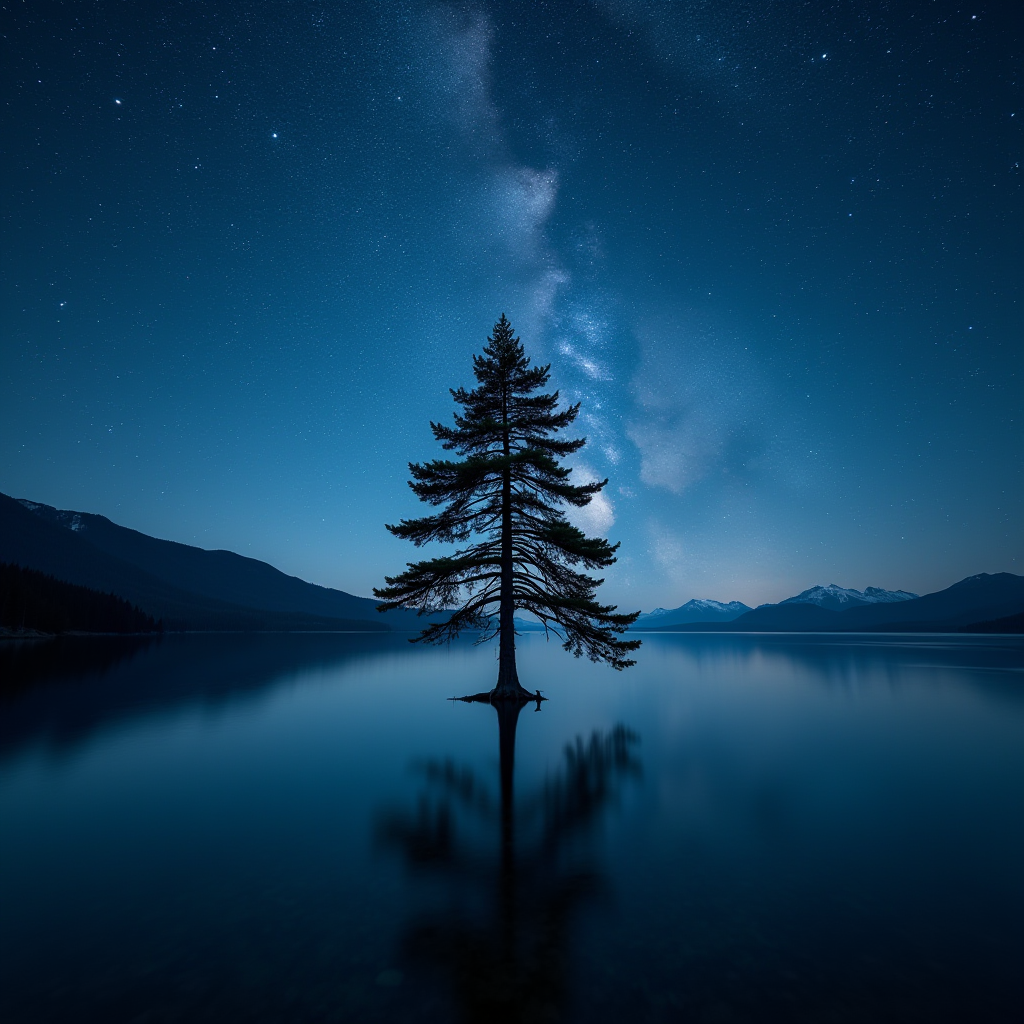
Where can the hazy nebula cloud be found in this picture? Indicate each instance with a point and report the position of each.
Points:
(698, 402)
(511, 202)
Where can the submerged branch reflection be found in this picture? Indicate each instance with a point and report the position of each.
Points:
(500, 933)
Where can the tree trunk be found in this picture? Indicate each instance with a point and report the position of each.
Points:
(508, 686)
(508, 677)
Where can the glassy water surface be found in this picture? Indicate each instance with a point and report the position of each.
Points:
(303, 828)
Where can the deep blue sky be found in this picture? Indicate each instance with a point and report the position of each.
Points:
(774, 248)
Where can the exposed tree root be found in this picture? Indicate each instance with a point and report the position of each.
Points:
(520, 697)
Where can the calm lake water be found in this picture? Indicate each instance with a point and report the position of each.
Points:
(302, 828)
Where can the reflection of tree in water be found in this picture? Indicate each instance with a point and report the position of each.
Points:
(508, 962)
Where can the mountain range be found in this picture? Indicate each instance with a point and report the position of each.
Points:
(838, 599)
(978, 601)
(698, 610)
(832, 597)
(192, 588)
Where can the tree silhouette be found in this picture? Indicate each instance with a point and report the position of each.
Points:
(509, 489)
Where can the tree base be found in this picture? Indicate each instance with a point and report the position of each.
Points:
(520, 697)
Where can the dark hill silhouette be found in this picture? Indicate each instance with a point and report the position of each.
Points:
(31, 600)
(187, 587)
(977, 599)
(222, 575)
(1008, 624)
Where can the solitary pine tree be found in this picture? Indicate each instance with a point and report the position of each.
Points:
(508, 489)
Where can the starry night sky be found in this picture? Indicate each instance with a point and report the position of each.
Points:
(775, 249)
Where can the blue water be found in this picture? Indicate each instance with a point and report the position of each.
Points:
(303, 828)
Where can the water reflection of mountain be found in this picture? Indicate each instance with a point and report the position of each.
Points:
(59, 692)
(992, 665)
(506, 879)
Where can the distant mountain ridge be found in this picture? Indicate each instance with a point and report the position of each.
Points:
(187, 587)
(841, 598)
(697, 610)
(977, 600)
(832, 597)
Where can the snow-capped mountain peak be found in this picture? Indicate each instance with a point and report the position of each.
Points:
(838, 598)
(697, 610)
(718, 606)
